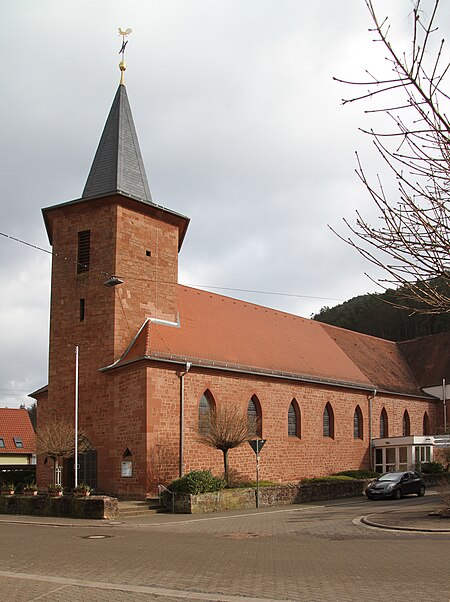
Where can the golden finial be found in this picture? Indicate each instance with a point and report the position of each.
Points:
(122, 64)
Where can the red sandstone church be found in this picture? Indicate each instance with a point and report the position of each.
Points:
(153, 354)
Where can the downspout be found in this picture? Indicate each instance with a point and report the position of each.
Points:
(444, 404)
(370, 398)
(182, 375)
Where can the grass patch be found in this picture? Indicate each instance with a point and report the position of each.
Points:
(328, 479)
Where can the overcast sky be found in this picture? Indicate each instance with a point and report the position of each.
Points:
(240, 126)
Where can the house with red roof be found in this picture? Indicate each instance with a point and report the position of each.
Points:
(141, 356)
(17, 437)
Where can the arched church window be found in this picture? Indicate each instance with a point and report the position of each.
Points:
(357, 423)
(384, 424)
(294, 420)
(205, 404)
(406, 424)
(328, 421)
(426, 424)
(254, 413)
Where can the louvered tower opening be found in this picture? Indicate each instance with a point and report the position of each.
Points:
(84, 251)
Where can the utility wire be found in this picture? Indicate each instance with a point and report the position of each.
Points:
(246, 290)
(206, 286)
(15, 390)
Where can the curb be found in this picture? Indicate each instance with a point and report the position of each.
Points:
(371, 523)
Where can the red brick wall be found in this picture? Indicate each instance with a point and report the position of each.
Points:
(129, 416)
(95, 335)
(111, 412)
(284, 458)
(150, 288)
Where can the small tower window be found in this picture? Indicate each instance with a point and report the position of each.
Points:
(84, 251)
(82, 308)
(126, 467)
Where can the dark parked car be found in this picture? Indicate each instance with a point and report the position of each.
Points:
(395, 485)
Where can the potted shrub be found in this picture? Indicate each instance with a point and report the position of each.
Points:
(55, 490)
(30, 489)
(82, 490)
(7, 488)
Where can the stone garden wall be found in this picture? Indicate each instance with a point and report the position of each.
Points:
(239, 499)
(96, 506)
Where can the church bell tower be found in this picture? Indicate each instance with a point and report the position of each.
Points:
(115, 264)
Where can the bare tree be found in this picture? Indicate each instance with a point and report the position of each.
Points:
(56, 439)
(225, 428)
(412, 244)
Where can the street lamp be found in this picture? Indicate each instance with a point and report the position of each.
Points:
(113, 281)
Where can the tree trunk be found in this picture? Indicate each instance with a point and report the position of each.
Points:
(225, 465)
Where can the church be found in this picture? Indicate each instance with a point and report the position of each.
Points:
(153, 354)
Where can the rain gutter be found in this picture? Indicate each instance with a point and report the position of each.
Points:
(260, 372)
(181, 376)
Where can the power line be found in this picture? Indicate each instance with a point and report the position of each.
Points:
(206, 286)
(16, 390)
(246, 290)
(24, 242)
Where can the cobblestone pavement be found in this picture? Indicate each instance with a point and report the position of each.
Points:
(306, 553)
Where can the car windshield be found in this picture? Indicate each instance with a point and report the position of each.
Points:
(391, 476)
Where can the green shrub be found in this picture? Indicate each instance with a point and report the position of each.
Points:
(431, 468)
(361, 473)
(197, 481)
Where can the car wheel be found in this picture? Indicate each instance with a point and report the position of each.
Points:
(421, 491)
(397, 494)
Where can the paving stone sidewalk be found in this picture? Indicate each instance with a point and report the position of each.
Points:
(305, 553)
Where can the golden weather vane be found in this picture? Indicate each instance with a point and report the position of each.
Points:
(122, 64)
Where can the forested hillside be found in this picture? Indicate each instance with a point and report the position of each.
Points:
(372, 314)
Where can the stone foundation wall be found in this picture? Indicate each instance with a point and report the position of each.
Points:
(94, 507)
(235, 499)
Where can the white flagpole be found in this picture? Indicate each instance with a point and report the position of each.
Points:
(76, 417)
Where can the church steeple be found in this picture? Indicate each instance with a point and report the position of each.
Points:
(118, 164)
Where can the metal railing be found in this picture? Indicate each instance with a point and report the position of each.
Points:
(161, 490)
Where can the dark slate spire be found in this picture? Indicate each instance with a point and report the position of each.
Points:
(118, 165)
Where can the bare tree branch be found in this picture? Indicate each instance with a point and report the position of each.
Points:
(412, 244)
(56, 439)
(225, 428)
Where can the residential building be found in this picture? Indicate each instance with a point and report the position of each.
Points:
(17, 437)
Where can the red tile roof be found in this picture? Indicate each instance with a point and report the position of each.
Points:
(381, 361)
(225, 332)
(16, 423)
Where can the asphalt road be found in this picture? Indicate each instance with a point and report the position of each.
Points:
(316, 552)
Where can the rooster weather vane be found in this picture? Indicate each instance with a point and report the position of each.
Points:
(122, 64)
